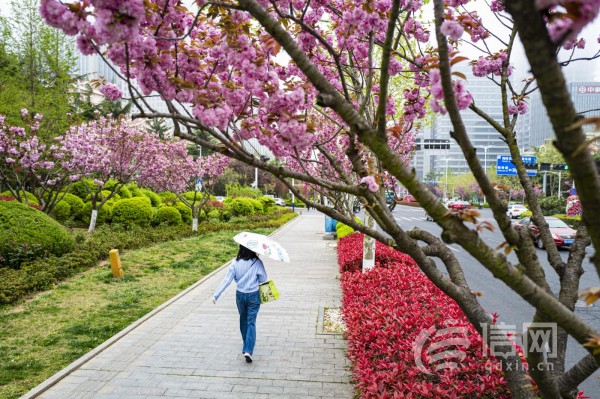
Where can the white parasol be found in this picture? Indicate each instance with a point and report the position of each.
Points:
(262, 245)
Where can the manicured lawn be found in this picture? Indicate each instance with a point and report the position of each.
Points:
(48, 332)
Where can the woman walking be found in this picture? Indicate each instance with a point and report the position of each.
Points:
(248, 272)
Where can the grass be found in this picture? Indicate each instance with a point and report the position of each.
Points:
(46, 333)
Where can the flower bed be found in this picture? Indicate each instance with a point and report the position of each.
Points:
(388, 311)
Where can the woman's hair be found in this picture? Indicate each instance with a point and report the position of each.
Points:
(246, 254)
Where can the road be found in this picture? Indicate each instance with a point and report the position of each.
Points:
(498, 298)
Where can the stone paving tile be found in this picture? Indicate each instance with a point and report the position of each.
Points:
(191, 349)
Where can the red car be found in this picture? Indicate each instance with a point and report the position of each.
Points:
(562, 233)
(458, 205)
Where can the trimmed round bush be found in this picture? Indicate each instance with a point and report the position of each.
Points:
(214, 214)
(61, 211)
(256, 205)
(79, 188)
(30, 197)
(241, 207)
(75, 203)
(124, 192)
(155, 200)
(106, 193)
(267, 203)
(132, 211)
(104, 214)
(185, 211)
(135, 192)
(168, 198)
(168, 215)
(26, 233)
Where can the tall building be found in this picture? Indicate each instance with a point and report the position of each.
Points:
(483, 136)
(586, 99)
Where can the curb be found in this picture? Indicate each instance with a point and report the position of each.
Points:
(54, 379)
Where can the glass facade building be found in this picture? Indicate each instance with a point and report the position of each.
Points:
(483, 136)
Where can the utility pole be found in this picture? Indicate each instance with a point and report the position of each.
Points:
(559, 176)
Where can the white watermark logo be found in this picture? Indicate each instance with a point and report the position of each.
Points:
(437, 349)
(444, 348)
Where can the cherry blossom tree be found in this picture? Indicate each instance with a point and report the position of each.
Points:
(29, 165)
(333, 114)
(108, 149)
(179, 172)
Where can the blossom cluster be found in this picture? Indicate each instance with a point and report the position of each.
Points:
(369, 181)
(463, 97)
(491, 65)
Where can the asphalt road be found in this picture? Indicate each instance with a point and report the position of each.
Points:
(498, 298)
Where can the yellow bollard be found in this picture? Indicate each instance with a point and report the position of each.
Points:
(115, 263)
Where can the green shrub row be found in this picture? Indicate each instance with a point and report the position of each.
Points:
(342, 230)
(42, 274)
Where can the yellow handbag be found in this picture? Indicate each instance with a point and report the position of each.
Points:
(268, 292)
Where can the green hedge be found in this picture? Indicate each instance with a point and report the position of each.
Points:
(155, 200)
(75, 203)
(185, 211)
(552, 205)
(342, 230)
(297, 202)
(267, 203)
(241, 206)
(61, 211)
(168, 198)
(26, 233)
(79, 188)
(132, 211)
(168, 215)
(42, 274)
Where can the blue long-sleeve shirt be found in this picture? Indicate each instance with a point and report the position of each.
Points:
(248, 274)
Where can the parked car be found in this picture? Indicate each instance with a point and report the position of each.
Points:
(562, 234)
(220, 198)
(279, 201)
(516, 210)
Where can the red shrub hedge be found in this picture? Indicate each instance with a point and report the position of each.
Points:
(385, 310)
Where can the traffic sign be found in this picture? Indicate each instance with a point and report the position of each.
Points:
(505, 167)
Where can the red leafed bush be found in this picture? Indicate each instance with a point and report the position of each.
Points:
(9, 198)
(386, 310)
(212, 204)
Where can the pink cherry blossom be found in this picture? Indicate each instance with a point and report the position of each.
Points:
(452, 29)
(111, 91)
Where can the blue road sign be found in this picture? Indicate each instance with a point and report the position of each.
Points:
(505, 167)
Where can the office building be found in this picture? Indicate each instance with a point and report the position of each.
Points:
(483, 136)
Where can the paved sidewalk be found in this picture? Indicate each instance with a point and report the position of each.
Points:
(191, 348)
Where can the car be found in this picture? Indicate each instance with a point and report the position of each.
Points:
(562, 234)
(458, 205)
(220, 198)
(279, 201)
(516, 210)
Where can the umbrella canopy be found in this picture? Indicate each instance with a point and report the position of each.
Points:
(262, 245)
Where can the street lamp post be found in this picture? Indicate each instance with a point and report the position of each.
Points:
(485, 148)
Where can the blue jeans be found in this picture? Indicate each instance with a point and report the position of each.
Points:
(248, 305)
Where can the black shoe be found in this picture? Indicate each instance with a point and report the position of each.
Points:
(248, 357)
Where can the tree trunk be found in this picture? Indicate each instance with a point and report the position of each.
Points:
(368, 245)
(93, 220)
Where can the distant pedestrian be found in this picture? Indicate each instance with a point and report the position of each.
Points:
(307, 208)
(248, 272)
